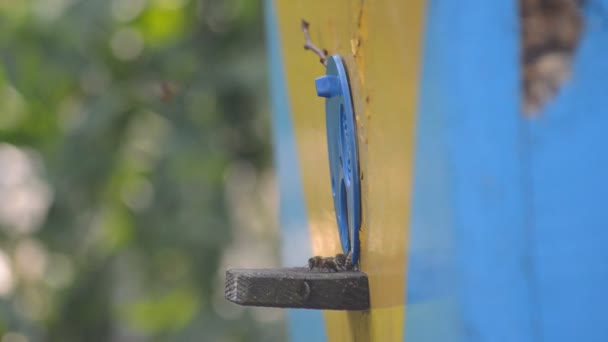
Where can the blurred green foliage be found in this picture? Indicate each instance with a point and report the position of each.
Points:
(131, 111)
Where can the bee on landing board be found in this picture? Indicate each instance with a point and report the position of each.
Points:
(320, 263)
(337, 263)
(340, 261)
(348, 263)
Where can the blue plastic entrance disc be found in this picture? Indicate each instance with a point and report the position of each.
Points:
(343, 153)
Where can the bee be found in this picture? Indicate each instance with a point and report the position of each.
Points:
(348, 263)
(337, 263)
(341, 261)
(320, 263)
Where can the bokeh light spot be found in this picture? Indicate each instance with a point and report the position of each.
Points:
(127, 10)
(7, 279)
(127, 44)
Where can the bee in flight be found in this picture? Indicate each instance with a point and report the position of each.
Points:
(337, 263)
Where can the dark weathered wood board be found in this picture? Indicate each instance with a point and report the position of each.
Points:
(298, 287)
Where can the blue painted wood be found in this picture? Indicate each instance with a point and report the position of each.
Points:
(516, 203)
(568, 171)
(303, 325)
(469, 200)
(431, 311)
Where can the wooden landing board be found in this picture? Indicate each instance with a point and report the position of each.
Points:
(298, 287)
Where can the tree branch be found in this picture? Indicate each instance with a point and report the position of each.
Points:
(308, 45)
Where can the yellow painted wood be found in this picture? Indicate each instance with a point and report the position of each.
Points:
(380, 42)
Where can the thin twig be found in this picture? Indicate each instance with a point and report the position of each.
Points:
(322, 53)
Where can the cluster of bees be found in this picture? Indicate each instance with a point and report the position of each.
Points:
(337, 263)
